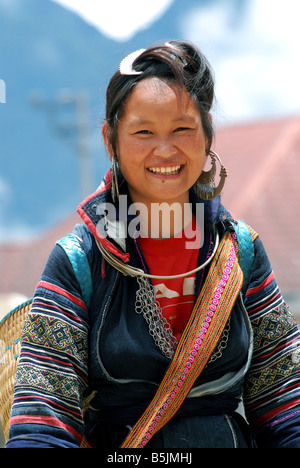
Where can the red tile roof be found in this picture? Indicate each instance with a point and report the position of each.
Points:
(22, 264)
(262, 187)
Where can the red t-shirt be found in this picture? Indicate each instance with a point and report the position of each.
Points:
(174, 256)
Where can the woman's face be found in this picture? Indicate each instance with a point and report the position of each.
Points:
(161, 142)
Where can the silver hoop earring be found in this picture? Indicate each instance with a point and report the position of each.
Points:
(114, 180)
(205, 186)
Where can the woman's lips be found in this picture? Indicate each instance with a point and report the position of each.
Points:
(165, 170)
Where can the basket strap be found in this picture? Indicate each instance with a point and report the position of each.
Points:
(72, 246)
(209, 316)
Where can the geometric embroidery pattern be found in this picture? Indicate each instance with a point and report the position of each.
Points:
(272, 326)
(50, 382)
(270, 376)
(56, 334)
(274, 370)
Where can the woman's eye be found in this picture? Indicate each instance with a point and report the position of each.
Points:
(143, 132)
(181, 129)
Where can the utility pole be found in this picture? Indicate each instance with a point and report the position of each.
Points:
(80, 123)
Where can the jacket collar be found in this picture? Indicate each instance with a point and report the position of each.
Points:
(109, 223)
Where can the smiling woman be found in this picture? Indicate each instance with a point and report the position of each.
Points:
(170, 68)
(161, 144)
(153, 340)
(158, 127)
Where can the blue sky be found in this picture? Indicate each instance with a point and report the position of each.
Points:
(255, 61)
(118, 19)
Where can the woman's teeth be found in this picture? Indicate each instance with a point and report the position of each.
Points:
(165, 170)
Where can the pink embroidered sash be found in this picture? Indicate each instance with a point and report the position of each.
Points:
(201, 335)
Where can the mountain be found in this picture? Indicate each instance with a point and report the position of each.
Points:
(46, 49)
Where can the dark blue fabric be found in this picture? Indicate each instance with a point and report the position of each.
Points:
(126, 367)
(214, 431)
(282, 432)
(210, 431)
(40, 441)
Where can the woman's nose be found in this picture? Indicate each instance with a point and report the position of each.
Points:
(164, 148)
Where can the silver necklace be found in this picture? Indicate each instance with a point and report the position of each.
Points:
(146, 303)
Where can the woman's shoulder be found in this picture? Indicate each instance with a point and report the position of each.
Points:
(80, 241)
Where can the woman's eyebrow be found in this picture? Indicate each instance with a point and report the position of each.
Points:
(182, 118)
(185, 118)
(138, 121)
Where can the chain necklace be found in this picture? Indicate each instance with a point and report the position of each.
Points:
(145, 302)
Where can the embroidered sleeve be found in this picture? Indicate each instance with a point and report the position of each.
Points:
(52, 372)
(272, 384)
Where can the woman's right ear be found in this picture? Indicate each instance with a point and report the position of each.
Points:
(106, 134)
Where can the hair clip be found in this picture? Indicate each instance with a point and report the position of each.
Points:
(126, 64)
(178, 59)
(167, 44)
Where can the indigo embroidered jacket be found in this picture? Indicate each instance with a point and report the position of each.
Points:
(72, 353)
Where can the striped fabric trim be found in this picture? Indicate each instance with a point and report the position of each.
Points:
(254, 234)
(209, 316)
(62, 292)
(52, 370)
(272, 414)
(45, 420)
(272, 382)
(265, 283)
(87, 211)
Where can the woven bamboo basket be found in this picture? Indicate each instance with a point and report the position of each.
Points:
(10, 333)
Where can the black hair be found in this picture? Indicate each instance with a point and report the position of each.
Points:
(177, 62)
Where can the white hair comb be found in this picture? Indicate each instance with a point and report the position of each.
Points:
(127, 62)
